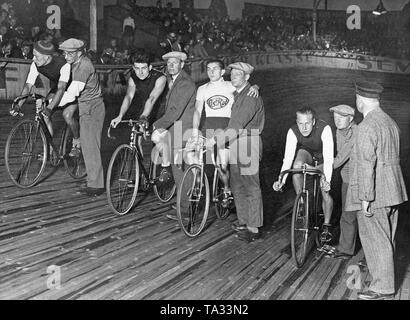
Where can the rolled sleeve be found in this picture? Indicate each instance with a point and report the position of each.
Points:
(328, 153)
(33, 74)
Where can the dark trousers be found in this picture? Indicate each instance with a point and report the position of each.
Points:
(348, 227)
(244, 180)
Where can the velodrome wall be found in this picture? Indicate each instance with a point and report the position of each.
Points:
(114, 78)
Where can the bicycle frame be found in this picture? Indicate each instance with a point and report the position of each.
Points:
(201, 150)
(39, 118)
(135, 144)
(317, 174)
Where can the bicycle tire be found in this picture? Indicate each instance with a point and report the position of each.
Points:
(163, 191)
(193, 201)
(122, 179)
(222, 210)
(75, 166)
(319, 219)
(300, 229)
(16, 160)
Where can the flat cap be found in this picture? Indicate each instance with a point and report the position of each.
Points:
(44, 47)
(72, 45)
(243, 66)
(175, 54)
(343, 109)
(369, 89)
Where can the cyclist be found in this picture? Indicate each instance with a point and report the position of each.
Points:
(216, 98)
(149, 84)
(58, 71)
(307, 141)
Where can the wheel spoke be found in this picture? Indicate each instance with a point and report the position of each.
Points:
(22, 149)
(122, 180)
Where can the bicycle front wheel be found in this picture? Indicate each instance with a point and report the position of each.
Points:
(222, 206)
(122, 179)
(164, 191)
(26, 153)
(75, 166)
(193, 201)
(300, 229)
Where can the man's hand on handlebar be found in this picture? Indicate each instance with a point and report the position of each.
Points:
(114, 122)
(15, 111)
(144, 121)
(277, 185)
(210, 143)
(47, 112)
(39, 104)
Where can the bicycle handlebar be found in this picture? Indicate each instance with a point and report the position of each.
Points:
(14, 111)
(197, 147)
(303, 170)
(131, 123)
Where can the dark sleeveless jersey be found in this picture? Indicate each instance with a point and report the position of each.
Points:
(143, 89)
(313, 142)
(52, 72)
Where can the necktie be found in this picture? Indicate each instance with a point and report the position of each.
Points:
(171, 83)
(235, 94)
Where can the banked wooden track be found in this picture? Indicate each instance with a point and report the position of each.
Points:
(143, 255)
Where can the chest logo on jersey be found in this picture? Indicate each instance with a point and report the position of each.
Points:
(217, 102)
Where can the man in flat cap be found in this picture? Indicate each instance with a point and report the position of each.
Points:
(58, 71)
(243, 134)
(376, 188)
(85, 87)
(343, 116)
(170, 129)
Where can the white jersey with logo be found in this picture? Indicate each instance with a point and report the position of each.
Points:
(217, 98)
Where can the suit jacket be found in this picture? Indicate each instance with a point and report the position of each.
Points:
(244, 129)
(344, 141)
(179, 104)
(376, 175)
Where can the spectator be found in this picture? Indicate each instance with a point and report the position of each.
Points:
(128, 28)
(376, 188)
(198, 51)
(25, 51)
(6, 48)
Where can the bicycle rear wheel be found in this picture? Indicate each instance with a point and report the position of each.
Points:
(122, 179)
(26, 153)
(75, 166)
(318, 220)
(164, 191)
(300, 229)
(222, 208)
(193, 201)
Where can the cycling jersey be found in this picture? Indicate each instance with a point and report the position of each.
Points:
(217, 99)
(56, 70)
(143, 89)
(319, 144)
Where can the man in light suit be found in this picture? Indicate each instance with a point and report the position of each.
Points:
(376, 188)
(171, 130)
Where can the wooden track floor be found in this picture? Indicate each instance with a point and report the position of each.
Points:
(144, 255)
(52, 229)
